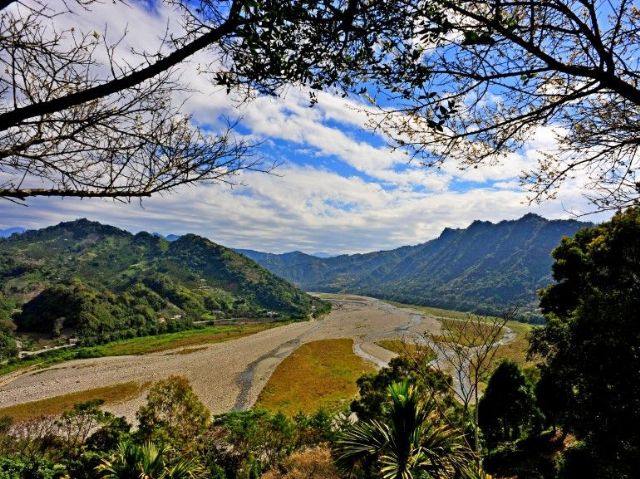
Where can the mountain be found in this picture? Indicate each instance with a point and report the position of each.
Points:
(9, 231)
(100, 282)
(485, 267)
(169, 237)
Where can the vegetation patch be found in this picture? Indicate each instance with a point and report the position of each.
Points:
(182, 352)
(399, 346)
(516, 349)
(164, 342)
(57, 405)
(437, 313)
(320, 374)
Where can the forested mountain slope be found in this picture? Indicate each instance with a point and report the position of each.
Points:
(102, 282)
(485, 268)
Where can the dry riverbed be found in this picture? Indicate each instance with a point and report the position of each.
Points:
(226, 376)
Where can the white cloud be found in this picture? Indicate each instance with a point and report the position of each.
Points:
(311, 208)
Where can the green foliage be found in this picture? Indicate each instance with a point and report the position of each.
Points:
(507, 409)
(17, 467)
(408, 441)
(8, 348)
(373, 388)
(483, 268)
(102, 284)
(243, 444)
(534, 457)
(133, 461)
(173, 415)
(591, 376)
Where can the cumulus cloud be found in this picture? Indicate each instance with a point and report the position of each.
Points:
(339, 190)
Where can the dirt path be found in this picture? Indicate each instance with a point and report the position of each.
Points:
(229, 375)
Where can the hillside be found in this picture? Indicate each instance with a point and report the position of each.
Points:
(103, 283)
(484, 268)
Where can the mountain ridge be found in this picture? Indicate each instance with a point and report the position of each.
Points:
(486, 267)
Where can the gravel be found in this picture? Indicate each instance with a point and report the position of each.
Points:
(226, 376)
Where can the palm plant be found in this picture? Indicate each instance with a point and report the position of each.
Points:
(408, 442)
(147, 461)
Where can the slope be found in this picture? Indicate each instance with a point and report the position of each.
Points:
(103, 283)
(484, 268)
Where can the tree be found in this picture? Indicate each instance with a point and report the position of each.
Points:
(311, 463)
(591, 340)
(373, 394)
(407, 441)
(8, 346)
(173, 414)
(485, 76)
(467, 353)
(72, 124)
(507, 408)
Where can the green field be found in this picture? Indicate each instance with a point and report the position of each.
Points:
(320, 374)
(399, 346)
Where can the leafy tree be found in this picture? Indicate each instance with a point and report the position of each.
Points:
(8, 347)
(32, 468)
(373, 388)
(591, 340)
(507, 409)
(173, 415)
(246, 443)
(407, 442)
(312, 463)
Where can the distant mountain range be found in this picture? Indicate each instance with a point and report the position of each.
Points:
(484, 268)
(9, 231)
(102, 282)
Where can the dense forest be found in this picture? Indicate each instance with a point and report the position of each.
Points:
(484, 268)
(101, 283)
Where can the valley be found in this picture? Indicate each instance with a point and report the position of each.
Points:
(227, 375)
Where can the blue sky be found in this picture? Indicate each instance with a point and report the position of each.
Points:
(339, 188)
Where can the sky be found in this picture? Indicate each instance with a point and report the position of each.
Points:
(338, 188)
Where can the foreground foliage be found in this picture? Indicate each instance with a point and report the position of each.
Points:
(409, 440)
(590, 383)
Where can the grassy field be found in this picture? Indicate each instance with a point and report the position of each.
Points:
(516, 350)
(438, 313)
(143, 345)
(320, 374)
(57, 405)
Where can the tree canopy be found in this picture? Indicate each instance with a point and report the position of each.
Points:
(472, 81)
(488, 75)
(591, 341)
